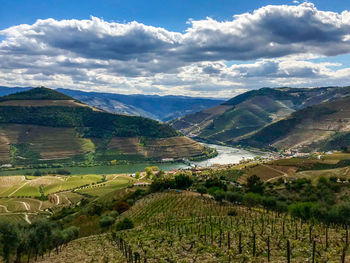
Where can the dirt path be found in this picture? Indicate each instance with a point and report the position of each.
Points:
(40, 205)
(283, 174)
(58, 198)
(5, 207)
(26, 205)
(18, 189)
(26, 218)
(69, 202)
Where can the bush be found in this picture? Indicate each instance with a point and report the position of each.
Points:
(234, 197)
(126, 223)
(182, 181)
(106, 221)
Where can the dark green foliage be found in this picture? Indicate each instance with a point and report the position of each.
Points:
(18, 241)
(40, 93)
(234, 197)
(126, 223)
(9, 238)
(202, 189)
(96, 124)
(182, 181)
(215, 182)
(255, 185)
(217, 193)
(106, 221)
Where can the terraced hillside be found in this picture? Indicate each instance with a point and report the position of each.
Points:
(187, 227)
(42, 125)
(251, 111)
(321, 127)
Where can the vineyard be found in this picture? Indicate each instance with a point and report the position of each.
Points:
(187, 227)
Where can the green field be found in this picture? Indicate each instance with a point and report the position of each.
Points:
(109, 186)
(71, 182)
(117, 169)
(19, 194)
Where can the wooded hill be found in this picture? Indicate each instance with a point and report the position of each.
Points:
(44, 125)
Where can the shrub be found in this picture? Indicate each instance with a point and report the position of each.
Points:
(182, 181)
(106, 221)
(126, 223)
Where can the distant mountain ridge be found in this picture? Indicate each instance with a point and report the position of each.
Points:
(321, 127)
(237, 119)
(162, 108)
(42, 125)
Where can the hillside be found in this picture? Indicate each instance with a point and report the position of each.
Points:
(324, 127)
(43, 125)
(162, 108)
(248, 112)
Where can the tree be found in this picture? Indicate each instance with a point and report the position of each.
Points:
(149, 172)
(255, 185)
(182, 181)
(9, 240)
(202, 190)
(106, 221)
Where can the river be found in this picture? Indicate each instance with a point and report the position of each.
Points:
(226, 155)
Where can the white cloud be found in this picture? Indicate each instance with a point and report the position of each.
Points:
(132, 57)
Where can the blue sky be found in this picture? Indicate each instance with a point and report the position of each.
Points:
(270, 43)
(171, 14)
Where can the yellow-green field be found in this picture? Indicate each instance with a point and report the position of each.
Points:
(19, 195)
(115, 182)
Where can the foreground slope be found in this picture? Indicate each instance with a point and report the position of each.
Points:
(42, 125)
(325, 126)
(251, 111)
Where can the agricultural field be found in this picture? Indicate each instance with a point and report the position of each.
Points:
(26, 197)
(335, 164)
(98, 248)
(198, 229)
(113, 183)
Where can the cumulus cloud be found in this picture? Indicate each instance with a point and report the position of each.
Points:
(133, 57)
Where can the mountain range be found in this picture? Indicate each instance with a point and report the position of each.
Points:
(275, 118)
(161, 108)
(41, 125)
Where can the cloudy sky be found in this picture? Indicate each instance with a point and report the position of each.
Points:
(207, 48)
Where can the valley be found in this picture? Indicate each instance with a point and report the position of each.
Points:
(118, 188)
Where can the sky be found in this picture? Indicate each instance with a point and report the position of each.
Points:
(206, 48)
